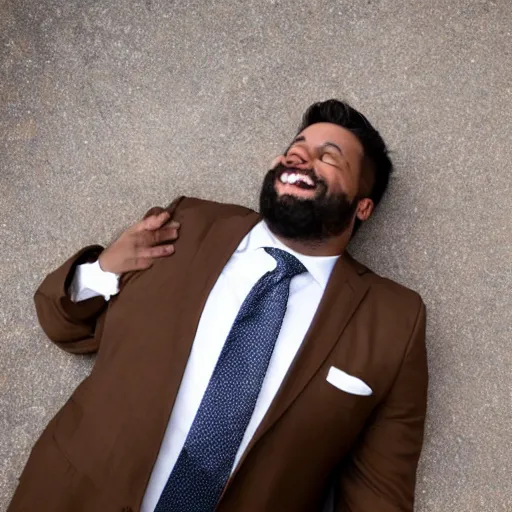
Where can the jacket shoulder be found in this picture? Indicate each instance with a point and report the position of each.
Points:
(191, 207)
(383, 287)
(393, 299)
(395, 308)
(391, 290)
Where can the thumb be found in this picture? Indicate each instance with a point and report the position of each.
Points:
(277, 160)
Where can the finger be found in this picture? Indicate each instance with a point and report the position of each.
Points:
(155, 252)
(277, 160)
(154, 211)
(164, 234)
(146, 239)
(152, 222)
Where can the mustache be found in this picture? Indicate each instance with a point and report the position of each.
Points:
(280, 169)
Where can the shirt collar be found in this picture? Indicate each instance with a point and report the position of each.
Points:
(320, 267)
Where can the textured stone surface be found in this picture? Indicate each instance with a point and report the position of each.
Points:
(108, 108)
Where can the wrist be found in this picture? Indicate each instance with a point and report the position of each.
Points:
(104, 267)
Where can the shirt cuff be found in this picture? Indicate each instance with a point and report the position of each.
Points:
(91, 281)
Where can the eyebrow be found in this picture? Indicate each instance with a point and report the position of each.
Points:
(301, 138)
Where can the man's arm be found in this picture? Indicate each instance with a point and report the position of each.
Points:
(76, 325)
(380, 474)
(73, 326)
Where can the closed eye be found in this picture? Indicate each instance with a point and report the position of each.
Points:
(330, 160)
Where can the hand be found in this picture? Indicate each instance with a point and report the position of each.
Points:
(137, 247)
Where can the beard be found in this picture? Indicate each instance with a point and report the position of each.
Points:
(308, 220)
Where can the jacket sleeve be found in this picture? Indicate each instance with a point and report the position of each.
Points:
(76, 327)
(73, 326)
(380, 474)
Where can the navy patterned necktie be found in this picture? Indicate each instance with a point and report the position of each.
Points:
(206, 460)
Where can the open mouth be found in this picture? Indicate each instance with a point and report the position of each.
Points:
(296, 183)
(299, 180)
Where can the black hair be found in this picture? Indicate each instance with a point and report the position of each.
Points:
(376, 163)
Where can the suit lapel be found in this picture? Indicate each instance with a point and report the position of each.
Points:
(217, 246)
(343, 294)
(216, 249)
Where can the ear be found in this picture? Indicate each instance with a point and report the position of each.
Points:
(364, 209)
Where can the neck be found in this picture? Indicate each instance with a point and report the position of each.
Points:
(331, 247)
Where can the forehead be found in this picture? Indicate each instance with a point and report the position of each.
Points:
(319, 133)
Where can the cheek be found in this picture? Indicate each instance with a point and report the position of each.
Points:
(337, 184)
(346, 183)
(338, 180)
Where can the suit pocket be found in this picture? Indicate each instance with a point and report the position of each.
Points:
(47, 481)
(84, 438)
(348, 383)
(67, 422)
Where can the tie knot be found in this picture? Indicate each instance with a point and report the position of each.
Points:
(287, 263)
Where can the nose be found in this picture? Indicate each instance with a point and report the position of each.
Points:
(298, 161)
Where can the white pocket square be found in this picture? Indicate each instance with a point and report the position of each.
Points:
(348, 383)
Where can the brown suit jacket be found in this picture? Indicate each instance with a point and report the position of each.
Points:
(97, 453)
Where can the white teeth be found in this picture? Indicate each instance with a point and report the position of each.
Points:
(293, 178)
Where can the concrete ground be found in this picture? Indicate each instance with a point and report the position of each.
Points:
(108, 108)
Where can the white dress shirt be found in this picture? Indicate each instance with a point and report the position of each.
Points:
(245, 267)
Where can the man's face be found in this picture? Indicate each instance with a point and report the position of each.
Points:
(312, 193)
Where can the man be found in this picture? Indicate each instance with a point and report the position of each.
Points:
(253, 368)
